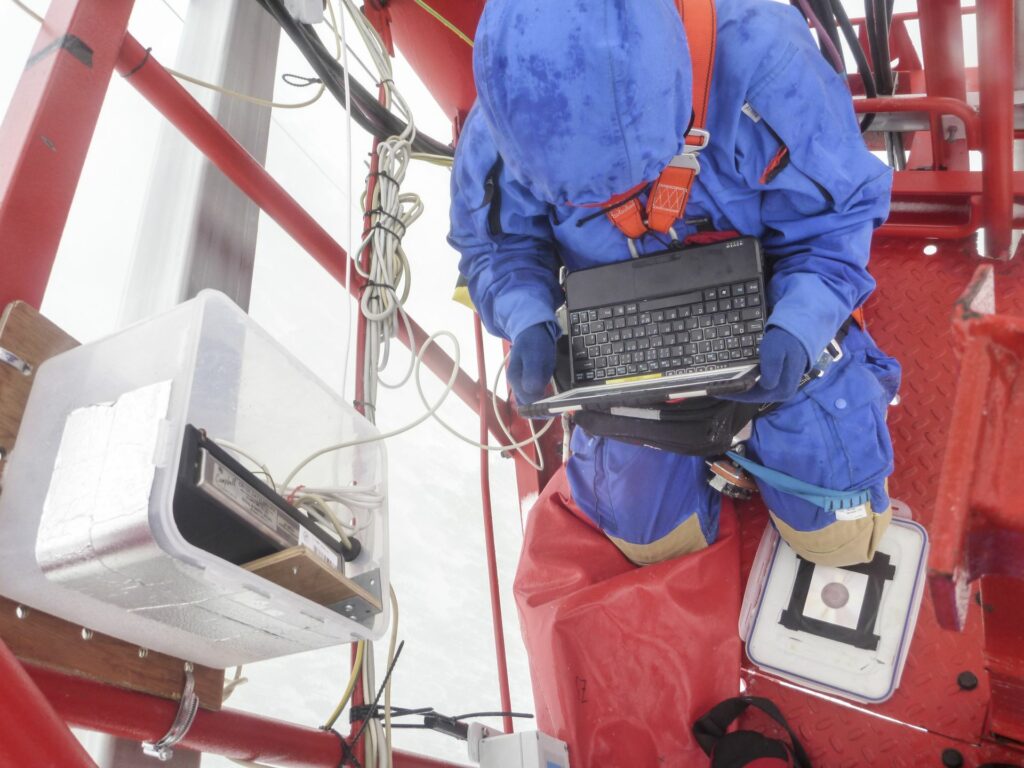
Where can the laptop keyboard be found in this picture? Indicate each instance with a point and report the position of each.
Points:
(689, 333)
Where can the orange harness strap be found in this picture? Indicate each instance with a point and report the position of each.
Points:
(671, 190)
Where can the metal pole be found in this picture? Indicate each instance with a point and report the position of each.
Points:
(230, 733)
(995, 77)
(942, 48)
(46, 133)
(492, 557)
(32, 732)
(146, 75)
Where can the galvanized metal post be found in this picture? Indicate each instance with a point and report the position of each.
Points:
(198, 230)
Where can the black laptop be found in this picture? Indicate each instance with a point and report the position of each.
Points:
(682, 323)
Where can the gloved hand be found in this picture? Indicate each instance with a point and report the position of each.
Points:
(783, 362)
(531, 363)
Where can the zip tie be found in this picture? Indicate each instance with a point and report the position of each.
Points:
(300, 81)
(162, 749)
(138, 66)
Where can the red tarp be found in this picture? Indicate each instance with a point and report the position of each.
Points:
(624, 659)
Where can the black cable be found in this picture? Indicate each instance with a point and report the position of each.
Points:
(493, 714)
(858, 55)
(380, 691)
(823, 11)
(367, 111)
(881, 10)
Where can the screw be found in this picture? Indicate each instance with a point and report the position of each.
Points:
(21, 612)
(952, 758)
(86, 634)
(967, 681)
(348, 609)
(295, 570)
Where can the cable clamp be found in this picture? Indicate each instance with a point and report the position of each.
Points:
(9, 358)
(163, 749)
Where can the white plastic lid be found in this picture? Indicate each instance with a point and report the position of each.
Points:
(844, 631)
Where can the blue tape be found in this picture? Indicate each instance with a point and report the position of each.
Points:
(825, 498)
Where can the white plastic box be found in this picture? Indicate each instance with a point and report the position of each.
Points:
(836, 664)
(208, 364)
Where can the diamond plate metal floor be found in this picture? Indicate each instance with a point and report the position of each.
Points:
(909, 315)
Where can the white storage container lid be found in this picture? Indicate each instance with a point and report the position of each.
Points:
(844, 631)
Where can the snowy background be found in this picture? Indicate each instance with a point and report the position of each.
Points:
(438, 563)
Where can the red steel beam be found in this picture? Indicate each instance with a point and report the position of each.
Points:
(934, 105)
(160, 88)
(995, 87)
(492, 557)
(230, 733)
(32, 733)
(46, 133)
(949, 183)
(942, 48)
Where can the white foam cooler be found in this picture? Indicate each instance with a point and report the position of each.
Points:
(841, 631)
(88, 527)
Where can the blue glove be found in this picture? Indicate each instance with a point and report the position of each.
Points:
(531, 363)
(783, 363)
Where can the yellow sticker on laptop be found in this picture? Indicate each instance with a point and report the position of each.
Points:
(639, 377)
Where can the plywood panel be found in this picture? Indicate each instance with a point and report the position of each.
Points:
(47, 641)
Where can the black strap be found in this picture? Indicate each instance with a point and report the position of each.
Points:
(713, 726)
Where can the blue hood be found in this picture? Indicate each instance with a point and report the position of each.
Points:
(584, 99)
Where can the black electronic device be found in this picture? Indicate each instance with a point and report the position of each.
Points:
(685, 322)
(223, 508)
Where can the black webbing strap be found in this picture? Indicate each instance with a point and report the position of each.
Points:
(711, 728)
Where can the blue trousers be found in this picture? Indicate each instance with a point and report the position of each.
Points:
(655, 504)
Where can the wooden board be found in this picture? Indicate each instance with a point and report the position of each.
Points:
(297, 570)
(34, 339)
(47, 641)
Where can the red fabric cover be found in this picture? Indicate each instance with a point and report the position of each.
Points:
(624, 659)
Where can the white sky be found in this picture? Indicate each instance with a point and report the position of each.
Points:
(438, 565)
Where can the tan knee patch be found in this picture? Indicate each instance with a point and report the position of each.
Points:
(684, 539)
(844, 542)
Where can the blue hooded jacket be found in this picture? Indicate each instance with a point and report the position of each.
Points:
(580, 100)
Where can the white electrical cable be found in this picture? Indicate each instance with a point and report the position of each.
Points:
(339, 31)
(431, 411)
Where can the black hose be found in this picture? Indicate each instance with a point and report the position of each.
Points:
(878, 18)
(858, 55)
(824, 13)
(367, 111)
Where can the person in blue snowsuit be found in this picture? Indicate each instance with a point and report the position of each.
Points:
(581, 101)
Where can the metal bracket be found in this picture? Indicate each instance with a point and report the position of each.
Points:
(355, 607)
(162, 749)
(9, 358)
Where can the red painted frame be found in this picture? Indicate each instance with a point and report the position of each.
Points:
(44, 152)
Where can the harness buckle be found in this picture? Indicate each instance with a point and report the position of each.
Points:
(687, 158)
(696, 133)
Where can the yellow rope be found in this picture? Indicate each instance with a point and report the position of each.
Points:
(451, 27)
